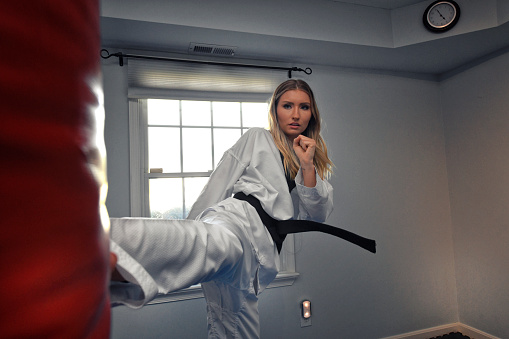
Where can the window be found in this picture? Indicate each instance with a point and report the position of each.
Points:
(186, 139)
(181, 120)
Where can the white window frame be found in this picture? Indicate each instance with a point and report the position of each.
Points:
(139, 199)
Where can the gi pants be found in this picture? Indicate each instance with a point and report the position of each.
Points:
(227, 249)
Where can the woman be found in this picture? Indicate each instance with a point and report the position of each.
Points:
(224, 244)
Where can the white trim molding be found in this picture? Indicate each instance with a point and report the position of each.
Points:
(195, 291)
(475, 333)
(137, 162)
(445, 329)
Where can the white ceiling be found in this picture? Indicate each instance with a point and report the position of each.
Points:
(385, 4)
(384, 44)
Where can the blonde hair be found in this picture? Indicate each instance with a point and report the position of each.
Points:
(291, 164)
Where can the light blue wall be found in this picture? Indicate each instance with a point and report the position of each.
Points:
(386, 137)
(476, 106)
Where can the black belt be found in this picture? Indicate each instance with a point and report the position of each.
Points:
(278, 229)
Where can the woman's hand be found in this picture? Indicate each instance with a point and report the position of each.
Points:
(304, 148)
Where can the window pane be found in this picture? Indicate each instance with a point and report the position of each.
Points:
(197, 149)
(164, 148)
(196, 113)
(163, 112)
(226, 113)
(223, 139)
(255, 114)
(165, 196)
(193, 188)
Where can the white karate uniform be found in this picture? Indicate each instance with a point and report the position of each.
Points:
(226, 247)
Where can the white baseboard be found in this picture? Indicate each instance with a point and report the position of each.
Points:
(475, 333)
(445, 329)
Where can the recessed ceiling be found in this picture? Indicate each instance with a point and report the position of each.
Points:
(433, 59)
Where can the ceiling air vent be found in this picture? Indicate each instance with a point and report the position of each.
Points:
(195, 48)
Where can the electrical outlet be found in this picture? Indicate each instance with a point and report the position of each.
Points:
(305, 319)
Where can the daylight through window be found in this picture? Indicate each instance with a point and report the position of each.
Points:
(186, 140)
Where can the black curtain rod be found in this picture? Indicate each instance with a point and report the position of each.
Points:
(106, 55)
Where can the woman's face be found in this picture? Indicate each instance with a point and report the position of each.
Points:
(293, 112)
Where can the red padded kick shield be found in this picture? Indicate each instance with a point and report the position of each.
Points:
(53, 246)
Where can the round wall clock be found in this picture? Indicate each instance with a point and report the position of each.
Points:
(441, 16)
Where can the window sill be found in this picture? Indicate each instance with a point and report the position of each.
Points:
(194, 292)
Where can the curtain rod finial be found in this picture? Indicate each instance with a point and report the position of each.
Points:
(105, 54)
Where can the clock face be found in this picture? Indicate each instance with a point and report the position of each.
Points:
(441, 15)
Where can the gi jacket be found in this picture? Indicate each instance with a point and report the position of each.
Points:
(253, 166)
